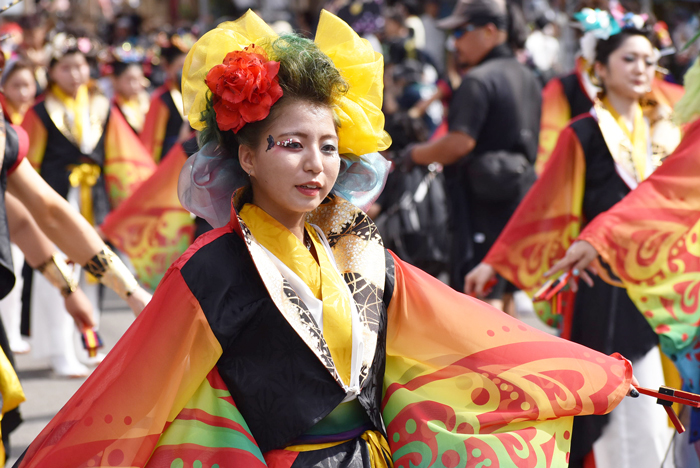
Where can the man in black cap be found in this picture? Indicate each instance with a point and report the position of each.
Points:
(491, 145)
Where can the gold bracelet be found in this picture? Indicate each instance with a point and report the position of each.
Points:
(59, 274)
(112, 272)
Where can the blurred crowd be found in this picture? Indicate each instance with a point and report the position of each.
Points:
(135, 60)
(134, 57)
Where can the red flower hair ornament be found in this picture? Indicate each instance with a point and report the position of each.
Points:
(245, 87)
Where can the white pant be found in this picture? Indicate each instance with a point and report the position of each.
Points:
(53, 329)
(11, 305)
(637, 434)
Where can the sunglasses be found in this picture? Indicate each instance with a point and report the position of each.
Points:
(457, 33)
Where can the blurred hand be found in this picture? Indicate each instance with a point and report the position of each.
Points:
(578, 259)
(476, 280)
(403, 161)
(79, 307)
(138, 300)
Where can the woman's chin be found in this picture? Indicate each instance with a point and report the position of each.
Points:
(638, 92)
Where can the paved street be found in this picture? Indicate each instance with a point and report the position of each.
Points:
(46, 394)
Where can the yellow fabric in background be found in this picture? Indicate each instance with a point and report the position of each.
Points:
(638, 137)
(76, 106)
(322, 278)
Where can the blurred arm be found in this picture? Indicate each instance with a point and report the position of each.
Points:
(56, 218)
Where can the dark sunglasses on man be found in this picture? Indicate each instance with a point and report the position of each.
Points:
(457, 33)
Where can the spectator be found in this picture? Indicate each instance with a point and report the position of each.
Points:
(543, 47)
(434, 36)
(493, 122)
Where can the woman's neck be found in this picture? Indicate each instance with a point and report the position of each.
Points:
(624, 106)
(292, 221)
(20, 109)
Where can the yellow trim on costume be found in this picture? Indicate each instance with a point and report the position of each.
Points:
(176, 95)
(638, 137)
(379, 451)
(76, 107)
(134, 109)
(321, 278)
(85, 176)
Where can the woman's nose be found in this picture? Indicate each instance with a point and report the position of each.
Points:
(313, 161)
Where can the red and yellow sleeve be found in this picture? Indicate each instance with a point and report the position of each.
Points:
(119, 414)
(556, 113)
(36, 131)
(153, 133)
(480, 388)
(666, 93)
(547, 220)
(151, 226)
(651, 241)
(127, 163)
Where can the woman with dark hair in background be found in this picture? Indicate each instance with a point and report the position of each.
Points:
(91, 158)
(18, 89)
(599, 158)
(165, 117)
(130, 96)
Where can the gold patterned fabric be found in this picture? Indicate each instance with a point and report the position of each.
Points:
(59, 274)
(320, 277)
(81, 119)
(359, 255)
(637, 153)
(112, 272)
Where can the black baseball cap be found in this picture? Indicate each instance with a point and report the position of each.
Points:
(476, 12)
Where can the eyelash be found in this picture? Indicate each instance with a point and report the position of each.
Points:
(329, 149)
(632, 59)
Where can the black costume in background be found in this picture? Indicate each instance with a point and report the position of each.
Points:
(605, 318)
(498, 104)
(61, 153)
(579, 101)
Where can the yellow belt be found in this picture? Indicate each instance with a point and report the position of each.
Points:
(85, 176)
(379, 451)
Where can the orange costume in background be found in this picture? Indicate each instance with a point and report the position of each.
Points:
(163, 121)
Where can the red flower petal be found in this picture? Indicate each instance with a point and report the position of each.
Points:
(245, 87)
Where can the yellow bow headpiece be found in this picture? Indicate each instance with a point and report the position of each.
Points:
(359, 110)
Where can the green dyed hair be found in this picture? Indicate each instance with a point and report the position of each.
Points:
(305, 74)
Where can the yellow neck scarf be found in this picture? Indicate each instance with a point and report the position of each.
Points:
(133, 111)
(16, 116)
(637, 137)
(76, 108)
(322, 278)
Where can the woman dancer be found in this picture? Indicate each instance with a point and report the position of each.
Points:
(130, 96)
(18, 89)
(73, 140)
(648, 241)
(598, 159)
(18, 92)
(283, 307)
(165, 116)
